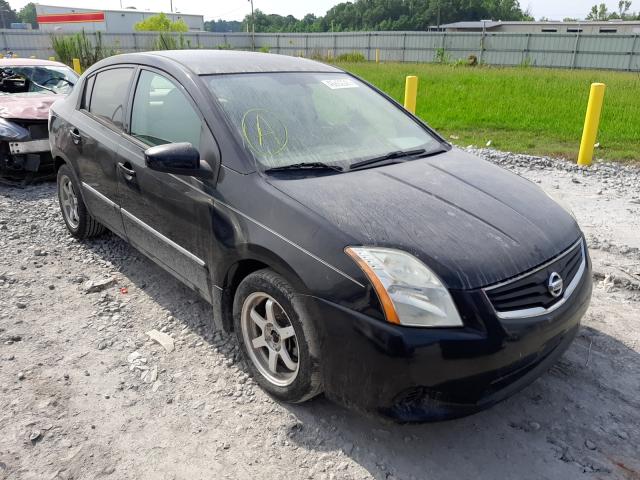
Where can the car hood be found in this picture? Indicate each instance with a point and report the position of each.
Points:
(26, 106)
(470, 221)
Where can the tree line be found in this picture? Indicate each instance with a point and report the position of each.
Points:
(380, 15)
(409, 15)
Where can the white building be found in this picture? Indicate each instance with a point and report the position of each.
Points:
(67, 19)
(587, 27)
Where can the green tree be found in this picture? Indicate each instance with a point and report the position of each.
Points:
(599, 12)
(161, 23)
(27, 14)
(7, 14)
(623, 9)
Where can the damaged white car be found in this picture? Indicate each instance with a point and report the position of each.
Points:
(28, 87)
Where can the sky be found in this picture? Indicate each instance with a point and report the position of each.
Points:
(237, 9)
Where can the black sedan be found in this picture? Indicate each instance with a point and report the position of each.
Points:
(352, 250)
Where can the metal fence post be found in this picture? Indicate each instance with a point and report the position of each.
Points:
(482, 37)
(632, 52)
(369, 48)
(443, 44)
(575, 51)
(526, 49)
(335, 44)
(404, 47)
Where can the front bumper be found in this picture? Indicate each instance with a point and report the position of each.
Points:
(31, 155)
(30, 146)
(19, 159)
(424, 374)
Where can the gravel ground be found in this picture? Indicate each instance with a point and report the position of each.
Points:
(84, 392)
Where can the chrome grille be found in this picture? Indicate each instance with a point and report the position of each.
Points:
(529, 294)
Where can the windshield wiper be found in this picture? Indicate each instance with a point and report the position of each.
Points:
(43, 87)
(305, 166)
(389, 156)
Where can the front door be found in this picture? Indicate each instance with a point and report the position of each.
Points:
(166, 216)
(96, 132)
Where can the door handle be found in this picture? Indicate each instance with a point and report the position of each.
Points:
(129, 173)
(75, 135)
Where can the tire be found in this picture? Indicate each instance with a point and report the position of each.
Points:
(74, 212)
(295, 337)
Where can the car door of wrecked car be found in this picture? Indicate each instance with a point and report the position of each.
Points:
(96, 134)
(167, 216)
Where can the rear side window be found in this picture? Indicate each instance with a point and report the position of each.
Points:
(162, 113)
(86, 96)
(110, 90)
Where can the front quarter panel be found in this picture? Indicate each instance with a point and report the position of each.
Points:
(254, 221)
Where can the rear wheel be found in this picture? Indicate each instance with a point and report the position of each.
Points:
(278, 342)
(74, 212)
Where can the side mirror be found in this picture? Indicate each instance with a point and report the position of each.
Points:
(177, 158)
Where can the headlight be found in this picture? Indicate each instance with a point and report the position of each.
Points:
(11, 132)
(562, 202)
(409, 292)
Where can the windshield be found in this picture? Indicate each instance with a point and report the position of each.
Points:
(301, 118)
(37, 78)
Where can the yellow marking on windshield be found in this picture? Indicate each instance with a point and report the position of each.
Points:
(259, 129)
(270, 135)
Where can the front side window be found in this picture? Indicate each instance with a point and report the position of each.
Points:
(109, 95)
(162, 113)
(331, 118)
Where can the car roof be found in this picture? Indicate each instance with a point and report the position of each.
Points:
(210, 62)
(29, 62)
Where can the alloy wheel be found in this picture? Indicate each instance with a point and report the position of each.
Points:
(69, 202)
(270, 340)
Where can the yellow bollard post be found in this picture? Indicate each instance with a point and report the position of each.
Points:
(53, 59)
(377, 55)
(411, 93)
(591, 123)
(76, 66)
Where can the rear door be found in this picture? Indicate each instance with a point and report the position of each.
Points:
(166, 216)
(96, 133)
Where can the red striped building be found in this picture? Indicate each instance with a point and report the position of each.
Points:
(68, 19)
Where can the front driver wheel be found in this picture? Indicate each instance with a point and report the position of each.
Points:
(277, 340)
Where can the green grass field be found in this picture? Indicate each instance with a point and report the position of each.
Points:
(528, 110)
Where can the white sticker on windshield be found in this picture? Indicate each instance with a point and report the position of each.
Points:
(340, 83)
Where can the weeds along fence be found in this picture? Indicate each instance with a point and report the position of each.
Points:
(603, 51)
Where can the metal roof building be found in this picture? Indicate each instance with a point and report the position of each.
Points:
(68, 19)
(587, 27)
